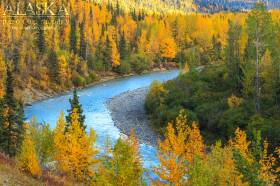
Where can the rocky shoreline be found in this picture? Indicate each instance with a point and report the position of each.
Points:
(127, 111)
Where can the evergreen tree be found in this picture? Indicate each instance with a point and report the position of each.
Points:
(83, 45)
(106, 54)
(75, 104)
(122, 47)
(3, 75)
(73, 35)
(40, 40)
(53, 66)
(216, 49)
(233, 58)
(16, 58)
(11, 120)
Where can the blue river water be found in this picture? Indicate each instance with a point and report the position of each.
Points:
(93, 100)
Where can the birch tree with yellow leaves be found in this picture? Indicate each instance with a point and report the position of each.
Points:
(3, 76)
(75, 150)
(115, 55)
(27, 159)
(168, 48)
(241, 143)
(172, 166)
(122, 165)
(267, 162)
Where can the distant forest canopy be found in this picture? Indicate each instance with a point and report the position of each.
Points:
(232, 5)
(186, 6)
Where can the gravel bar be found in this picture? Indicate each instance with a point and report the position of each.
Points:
(127, 111)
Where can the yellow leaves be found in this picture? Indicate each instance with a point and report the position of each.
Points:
(132, 140)
(168, 48)
(172, 167)
(267, 71)
(178, 150)
(277, 151)
(63, 69)
(195, 145)
(27, 159)
(3, 75)
(222, 165)
(127, 26)
(142, 45)
(115, 55)
(234, 101)
(186, 68)
(240, 143)
(74, 148)
(122, 165)
(267, 162)
(266, 63)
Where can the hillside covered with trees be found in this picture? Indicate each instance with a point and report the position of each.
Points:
(239, 90)
(219, 119)
(91, 40)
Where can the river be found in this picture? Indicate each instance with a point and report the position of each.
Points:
(93, 100)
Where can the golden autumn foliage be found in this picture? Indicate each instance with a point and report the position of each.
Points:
(132, 141)
(234, 101)
(183, 159)
(74, 149)
(267, 70)
(115, 55)
(186, 68)
(122, 165)
(179, 148)
(27, 159)
(63, 71)
(3, 75)
(217, 168)
(168, 48)
(267, 162)
(241, 143)
(194, 146)
(151, 35)
(173, 166)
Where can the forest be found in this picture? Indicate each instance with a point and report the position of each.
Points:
(219, 120)
(102, 39)
(67, 155)
(239, 90)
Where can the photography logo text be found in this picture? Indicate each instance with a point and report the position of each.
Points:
(51, 12)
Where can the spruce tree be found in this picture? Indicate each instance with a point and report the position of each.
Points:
(122, 47)
(53, 66)
(12, 117)
(73, 35)
(2, 124)
(75, 104)
(234, 58)
(40, 40)
(106, 54)
(83, 46)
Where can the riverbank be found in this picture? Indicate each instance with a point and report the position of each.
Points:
(127, 111)
(32, 95)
